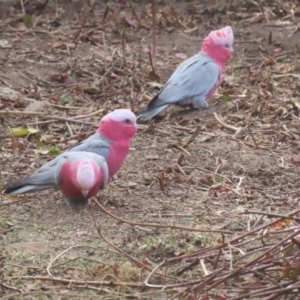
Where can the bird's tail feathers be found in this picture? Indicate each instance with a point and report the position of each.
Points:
(148, 113)
(23, 185)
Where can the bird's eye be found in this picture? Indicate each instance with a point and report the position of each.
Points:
(227, 46)
(127, 121)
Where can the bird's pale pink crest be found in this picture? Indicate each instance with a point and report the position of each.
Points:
(118, 125)
(222, 36)
(218, 45)
(85, 175)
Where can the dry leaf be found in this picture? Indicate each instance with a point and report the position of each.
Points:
(35, 106)
(181, 55)
(258, 17)
(18, 132)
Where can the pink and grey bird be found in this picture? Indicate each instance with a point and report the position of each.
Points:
(112, 139)
(79, 175)
(196, 79)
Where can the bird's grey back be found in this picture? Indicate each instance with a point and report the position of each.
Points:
(94, 144)
(194, 77)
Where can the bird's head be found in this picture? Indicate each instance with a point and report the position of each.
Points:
(219, 44)
(118, 125)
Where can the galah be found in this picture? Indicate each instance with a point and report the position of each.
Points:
(196, 79)
(79, 175)
(112, 139)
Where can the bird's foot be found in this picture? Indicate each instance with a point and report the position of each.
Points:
(75, 202)
(204, 105)
(201, 104)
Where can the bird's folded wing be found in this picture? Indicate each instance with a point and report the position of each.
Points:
(95, 144)
(194, 77)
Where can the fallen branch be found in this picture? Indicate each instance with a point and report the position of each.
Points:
(61, 119)
(159, 225)
(140, 264)
(76, 35)
(153, 54)
(79, 282)
(25, 113)
(249, 212)
(192, 137)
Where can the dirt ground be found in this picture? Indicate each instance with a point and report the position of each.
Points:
(71, 61)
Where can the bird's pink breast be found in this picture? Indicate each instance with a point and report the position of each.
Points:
(220, 56)
(217, 53)
(67, 187)
(117, 154)
(70, 189)
(97, 186)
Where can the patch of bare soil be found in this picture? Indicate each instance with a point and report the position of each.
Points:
(206, 204)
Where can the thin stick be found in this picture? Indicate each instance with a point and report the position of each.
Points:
(41, 123)
(5, 286)
(17, 112)
(98, 228)
(79, 282)
(61, 119)
(182, 149)
(192, 137)
(261, 8)
(140, 264)
(250, 132)
(249, 212)
(79, 29)
(105, 14)
(22, 6)
(42, 6)
(90, 115)
(123, 47)
(159, 225)
(189, 267)
(237, 271)
(232, 241)
(220, 121)
(134, 12)
(151, 63)
(153, 29)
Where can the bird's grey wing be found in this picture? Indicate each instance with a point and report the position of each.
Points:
(194, 78)
(46, 177)
(48, 174)
(94, 144)
(101, 162)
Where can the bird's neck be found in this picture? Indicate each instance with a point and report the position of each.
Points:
(110, 132)
(217, 53)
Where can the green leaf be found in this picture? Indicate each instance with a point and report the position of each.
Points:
(22, 131)
(41, 151)
(293, 275)
(65, 99)
(3, 43)
(32, 130)
(39, 144)
(226, 97)
(27, 19)
(53, 150)
(19, 132)
(143, 247)
(7, 91)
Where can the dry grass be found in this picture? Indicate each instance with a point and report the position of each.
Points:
(206, 204)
